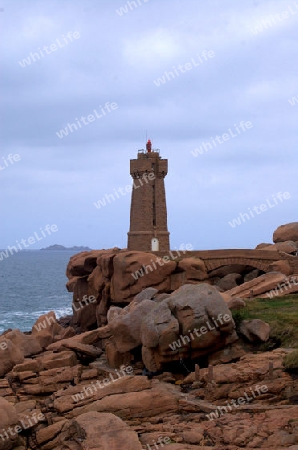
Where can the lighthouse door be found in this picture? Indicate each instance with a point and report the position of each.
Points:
(154, 245)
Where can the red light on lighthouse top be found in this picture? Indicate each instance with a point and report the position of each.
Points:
(148, 146)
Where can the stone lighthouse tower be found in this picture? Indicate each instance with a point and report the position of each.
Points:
(148, 212)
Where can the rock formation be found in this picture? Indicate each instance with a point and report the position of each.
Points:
(151, 357)
(102, 278)
(288, 232)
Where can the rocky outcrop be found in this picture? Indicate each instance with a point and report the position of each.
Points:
(247, 404)
(102, 278)
(288, 232)
(191, 322)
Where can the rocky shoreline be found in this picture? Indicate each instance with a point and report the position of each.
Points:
(58, 389)
(150, 362)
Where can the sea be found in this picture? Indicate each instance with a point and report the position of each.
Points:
(32, 283)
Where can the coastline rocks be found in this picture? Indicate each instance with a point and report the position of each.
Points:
(27, 344)
(287, 232)
(47, 330)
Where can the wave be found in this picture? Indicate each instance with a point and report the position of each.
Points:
(24, 320)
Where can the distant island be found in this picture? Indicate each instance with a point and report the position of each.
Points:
(61, 247)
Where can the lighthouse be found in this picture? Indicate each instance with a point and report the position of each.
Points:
(148, 230)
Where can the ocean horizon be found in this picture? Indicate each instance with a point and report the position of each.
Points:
(32, 283)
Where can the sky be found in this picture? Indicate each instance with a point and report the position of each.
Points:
(212, 84)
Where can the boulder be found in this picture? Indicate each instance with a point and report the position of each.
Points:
(287, 232)
(236, 303)
(46, 328)
(10, 355)
(47, 437)
(281, 266)
(255, 330)
(115, 358)
(201, 307)
(194, 268)
(56, 360)
(102, 431)
(229, 281)
(8, 418)
(262, 246)
(226, 270)
(286, 247)
(125, 325)
(147, 294)
(27, 344)
(251, 275)
(159, 327)
(135, 271)
(88, 338)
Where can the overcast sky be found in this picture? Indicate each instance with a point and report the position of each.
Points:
(118, 57)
